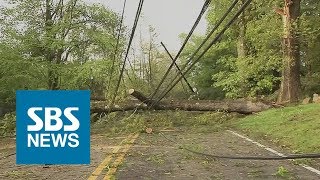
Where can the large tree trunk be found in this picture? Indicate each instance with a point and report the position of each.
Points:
(53, 79)
(290, 85)
(239, 106)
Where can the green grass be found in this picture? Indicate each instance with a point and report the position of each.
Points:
(157, 158)
(128, 122)
(295, 127)
(282, 172)
(8, 125)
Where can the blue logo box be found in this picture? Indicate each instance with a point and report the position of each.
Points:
(53, 127)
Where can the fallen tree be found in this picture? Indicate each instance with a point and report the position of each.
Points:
(239, 106)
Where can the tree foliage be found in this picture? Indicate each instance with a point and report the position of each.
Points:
(56, 44)
(258, 72)
(69, 44)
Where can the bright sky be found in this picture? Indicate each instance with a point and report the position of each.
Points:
(170, 18)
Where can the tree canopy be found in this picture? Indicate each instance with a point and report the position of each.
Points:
(248, 61)
(70, 44)
(56, 44)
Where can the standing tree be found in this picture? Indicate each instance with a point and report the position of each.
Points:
(310, 45)
(247, 61)
(290, 85)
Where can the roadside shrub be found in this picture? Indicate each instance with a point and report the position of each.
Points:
(8, 124)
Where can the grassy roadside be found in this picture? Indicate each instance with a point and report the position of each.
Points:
(297, 128)
(129, 122)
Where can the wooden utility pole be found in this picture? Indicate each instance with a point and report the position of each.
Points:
(290, 85)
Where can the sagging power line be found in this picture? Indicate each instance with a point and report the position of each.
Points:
(138, 13)
(178, 68)
(217, 25)
(214, 41)
(117, 45)
(269, 158)
(202, 12)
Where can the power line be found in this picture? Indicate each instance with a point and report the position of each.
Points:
(203, 10)
(206, 39)
(128, 49)
(214, 41)
(269, 158)
(178, 68)
(117, 45)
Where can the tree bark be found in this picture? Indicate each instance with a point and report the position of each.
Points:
(53, 79)
(239, 106)
(141, 97)
(241, 46)
(290, 85)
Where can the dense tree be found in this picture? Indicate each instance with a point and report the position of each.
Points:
(309, 31)
(68, 44)
(251, 57)
(60, 31)
(56, 44)
(246, 60)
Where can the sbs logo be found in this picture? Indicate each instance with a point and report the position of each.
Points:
(53, 127)
(53, 116)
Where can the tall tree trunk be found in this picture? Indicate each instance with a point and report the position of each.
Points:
(241, 46)
(50, 54)
(150, 64)
(290, 85)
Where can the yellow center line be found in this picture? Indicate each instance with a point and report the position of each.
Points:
(107, 160)
(120, 159)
